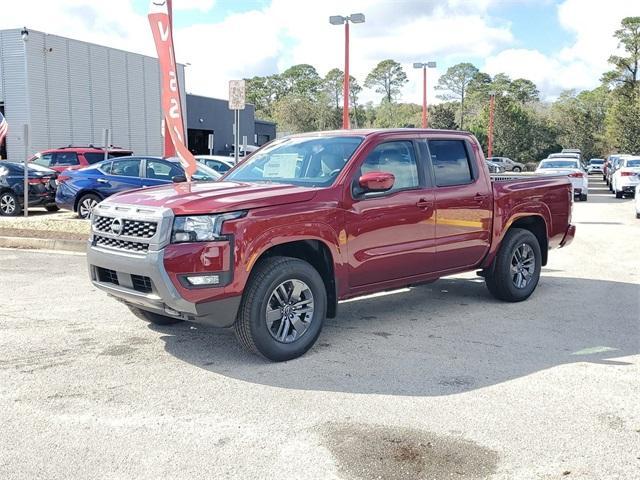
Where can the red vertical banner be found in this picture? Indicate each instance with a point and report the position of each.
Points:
(160, 20)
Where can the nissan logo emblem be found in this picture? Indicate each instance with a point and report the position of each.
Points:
(116, 226)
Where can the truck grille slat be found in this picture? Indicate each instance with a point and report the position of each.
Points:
(119, 244)
(130, 228)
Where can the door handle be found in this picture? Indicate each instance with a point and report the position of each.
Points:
(422, 203)
(480, 198)
(102, 180)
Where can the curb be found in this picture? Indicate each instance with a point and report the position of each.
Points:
(44, 244)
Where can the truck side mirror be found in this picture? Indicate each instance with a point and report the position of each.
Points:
(376, 181)
(179, 179)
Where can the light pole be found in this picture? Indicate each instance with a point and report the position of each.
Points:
(424, 66)
(492, 107)
(27, 127)
(339, 20)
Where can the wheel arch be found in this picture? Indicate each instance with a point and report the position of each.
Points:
(318, 254)
(82, 193)
(537, 225)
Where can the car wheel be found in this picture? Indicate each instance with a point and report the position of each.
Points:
(516, 268)
(619, 194)
(637, 215)
(517, 169)
(152, 317)
(9, 204)
(282, 310)
(86, 204)
(52, 208)
(583, 197)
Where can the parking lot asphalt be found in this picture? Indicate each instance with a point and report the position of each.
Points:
(438, 381)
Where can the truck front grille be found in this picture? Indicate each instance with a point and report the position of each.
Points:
(119, 244)
(130, 228)
(141, 283)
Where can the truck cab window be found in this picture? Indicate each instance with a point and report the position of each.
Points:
(397, 158)
(450, 161)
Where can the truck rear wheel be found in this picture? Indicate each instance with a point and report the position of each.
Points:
(517, 265)
(283, 308)
(152, 317)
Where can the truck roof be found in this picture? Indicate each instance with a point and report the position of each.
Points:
(373, 131)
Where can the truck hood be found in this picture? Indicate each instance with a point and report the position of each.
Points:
(214, 197)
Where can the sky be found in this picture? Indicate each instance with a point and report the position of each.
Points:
(558, 44)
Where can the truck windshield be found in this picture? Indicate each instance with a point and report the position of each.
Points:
(304, 161)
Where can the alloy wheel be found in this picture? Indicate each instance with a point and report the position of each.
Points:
(87, 206)
(289, 311)
(7, 204)
(523, 265)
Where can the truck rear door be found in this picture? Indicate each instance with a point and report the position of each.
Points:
(463, 203)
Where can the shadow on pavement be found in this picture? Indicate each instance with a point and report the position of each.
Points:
(440, 339)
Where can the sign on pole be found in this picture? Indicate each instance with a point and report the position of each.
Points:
(210, 143)
(236, 94)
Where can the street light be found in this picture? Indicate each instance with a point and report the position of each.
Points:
(339, 20)
(424, 66)
(27, 127)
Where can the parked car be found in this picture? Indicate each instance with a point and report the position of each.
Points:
(75, 158)
(494, 167)
(595, 165)
(216, 162)
(42, 188)
(82, 190)
(316, 218)
(605, 168)
(508, 164)
(625, 179)
(574, 151)
(615, 164)
(569, 166)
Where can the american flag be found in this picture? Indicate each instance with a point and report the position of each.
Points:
(4, 128)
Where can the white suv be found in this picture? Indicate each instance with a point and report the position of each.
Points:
(625, 179)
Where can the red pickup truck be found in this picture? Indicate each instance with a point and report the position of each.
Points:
(312, 219)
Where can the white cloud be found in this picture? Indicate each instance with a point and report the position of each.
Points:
(200, 5)
(579, 66)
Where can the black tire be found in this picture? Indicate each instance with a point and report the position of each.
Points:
(619, 194)
(637, 215)
(9, 204)
(583, 197)
(516, 169)
(83, 204)
(500, 280)
(52, 208)
(251, 325)
(152, 317)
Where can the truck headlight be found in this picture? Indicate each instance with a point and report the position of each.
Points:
(201, 228)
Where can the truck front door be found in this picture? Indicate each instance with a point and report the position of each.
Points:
(390, 235)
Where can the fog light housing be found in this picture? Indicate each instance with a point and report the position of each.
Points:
(203, 280)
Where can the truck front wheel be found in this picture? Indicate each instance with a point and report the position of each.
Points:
(283, 308)
(517, 265)
(152, 317)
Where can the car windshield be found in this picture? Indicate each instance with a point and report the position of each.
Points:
(304, 161)
(633, 163)
(559, 164)
(596, 161)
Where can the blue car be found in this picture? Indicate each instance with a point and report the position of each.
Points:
(81, 190)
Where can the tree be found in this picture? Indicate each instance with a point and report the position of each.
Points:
(523, 91)
(443, 116)
(455, 81)
(302, 80)
(296, 114)
(387, 78)
(397, 115)
(626, 71)
(354, 92)
(334, 84)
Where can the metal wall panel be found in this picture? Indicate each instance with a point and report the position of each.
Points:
(12, 70)
(100, 91)
(135, 91)
(153, 121)
(55, 67)
(119, 98)
(80, 94)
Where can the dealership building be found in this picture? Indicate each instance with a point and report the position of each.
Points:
(70, 91)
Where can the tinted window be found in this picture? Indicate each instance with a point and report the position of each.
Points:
(106, 167)
(450, 161)
(397, 158)
(558, 164)
(7, 168)
(217, 166)
(160, 170)
(94, 157)
(126, 168)
(44, 160)
(633, 163)
(65, 159)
